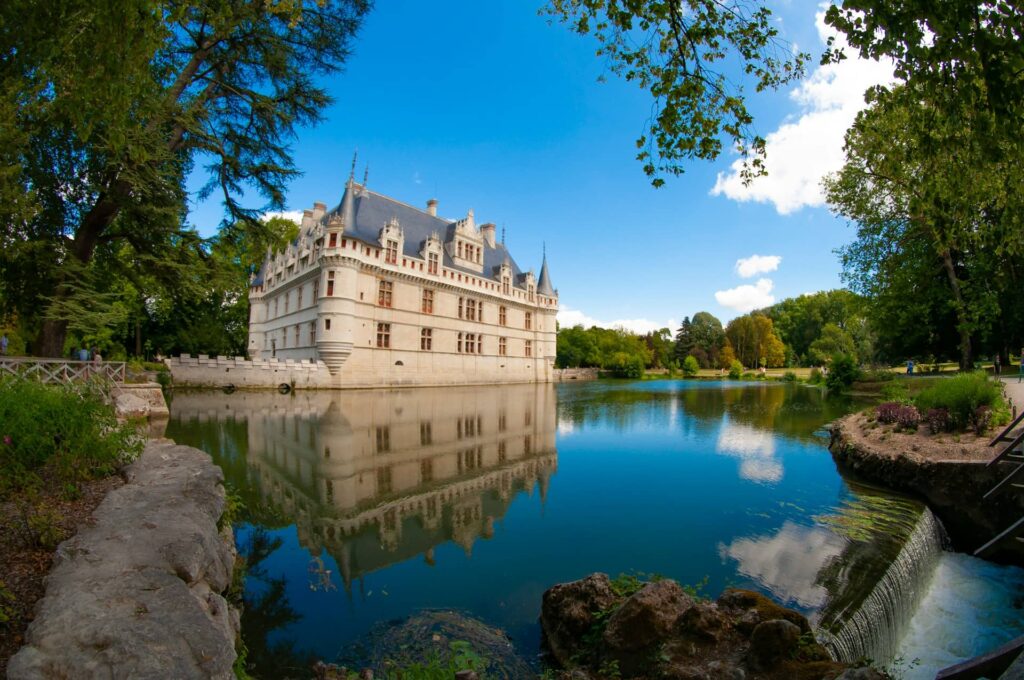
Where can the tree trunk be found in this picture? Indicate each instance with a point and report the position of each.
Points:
(51, 338)
(966, 358)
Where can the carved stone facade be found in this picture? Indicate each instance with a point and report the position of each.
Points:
(383, 293)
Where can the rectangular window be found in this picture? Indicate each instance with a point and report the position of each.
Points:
(312, 332)
(461, 303)
(471, 310)
(428, 301)
(480, 312)
(332, 240)
(470, 342)
(287, 299)
(384, 292)
(330, 284)
(383, 439)
(432, 263)
(528, 324)
(460, 343)
(529, 348)
(530, 289)
(426, 471)
(316, 291)
(327, 324)
(296, 335)
(391, 253)
(479, 344)
(502, 346)
(426, 338)
(426, 433)
(504, 285)
(502, 316)
(384, 335)
(460, 249)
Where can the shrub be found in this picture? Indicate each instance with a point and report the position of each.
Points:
(938, 420)
(879, 375)
(68, 428)
(961, 395)
(789, 376)
(735, 369)
(888, 412)
(908, 417)
(842, 371)
(815, 377)
(981, 418)
(690, 366)
(895, 391)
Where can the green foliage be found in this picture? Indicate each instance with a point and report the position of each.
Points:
(842, 372)
(816, 377)
(789, 376)
(7, 609)
(461, 657)
(690, 366)
(676, 51)
(623, 353)
(234, 506)
(755, 342)
(895, 391)
(961, 395)
(70, 429)
(832, 341)
(735, 370)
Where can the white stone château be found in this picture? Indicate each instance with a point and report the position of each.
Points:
(383, 293)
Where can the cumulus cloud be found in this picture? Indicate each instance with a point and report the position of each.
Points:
(567, 318)
(293, 215)
(757, 264)
(747, 298)
(802, 151)
(755, 449)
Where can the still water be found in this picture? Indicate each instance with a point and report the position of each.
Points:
(367, 506)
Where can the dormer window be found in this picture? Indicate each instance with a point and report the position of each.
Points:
(432, 263)
(530, 289)
(332, 241)
(505, 285)
(391, 252)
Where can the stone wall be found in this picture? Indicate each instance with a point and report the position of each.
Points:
(140, 593)
(564, 374)
(205, 371)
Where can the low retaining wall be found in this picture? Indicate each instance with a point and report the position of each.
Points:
(140, 592)
(204, 371)
(564, 374)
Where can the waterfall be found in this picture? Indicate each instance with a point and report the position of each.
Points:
(873, 630)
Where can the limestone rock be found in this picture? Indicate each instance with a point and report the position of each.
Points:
(647, 617)
(702, 621)
(131, 406)
(567, 613)
(753, 608)
(771, 642)
(138, 593)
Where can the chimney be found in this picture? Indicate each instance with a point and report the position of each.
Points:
(432, 207)
(487, 231)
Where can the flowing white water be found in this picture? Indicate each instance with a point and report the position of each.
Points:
(874, 629)
(971, 607)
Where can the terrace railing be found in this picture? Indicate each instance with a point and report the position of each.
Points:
(62, 370)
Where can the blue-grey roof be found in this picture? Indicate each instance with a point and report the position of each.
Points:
(544, 282)
(373, 210)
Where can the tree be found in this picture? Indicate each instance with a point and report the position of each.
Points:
(833, 342)
(690, 367)
(100, 133)
(708, 336)
(677, 51)
(684, 340)
(753, 339)
(933, 174)
(727, 356)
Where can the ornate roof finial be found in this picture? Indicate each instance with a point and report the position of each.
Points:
(366, 175)
(352, 171)
(503, 234)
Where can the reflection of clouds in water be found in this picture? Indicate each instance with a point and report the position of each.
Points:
(566, 426)
(788, 562)
(755, 449)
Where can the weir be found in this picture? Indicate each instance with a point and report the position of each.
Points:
(872, 626)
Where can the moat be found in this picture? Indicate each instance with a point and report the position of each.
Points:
(367, 506)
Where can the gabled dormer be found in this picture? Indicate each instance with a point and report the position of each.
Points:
(392, 240)
(503, 275)
(431, 250)
(466, 244)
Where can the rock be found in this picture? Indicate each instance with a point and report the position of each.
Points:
(138, 593)
(720, 670)
(129, 405)
(865, 673)
(647, 617)
(466, 675)
(567, 613)
(759, 608)
(772, 642)
(702, 621)
(366, 674)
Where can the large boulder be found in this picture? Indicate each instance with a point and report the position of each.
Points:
(647, 617)
(568, 612)
(771, 643)
(750, 608)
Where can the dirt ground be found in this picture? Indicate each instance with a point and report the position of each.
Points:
(921, 445)
(24, 564)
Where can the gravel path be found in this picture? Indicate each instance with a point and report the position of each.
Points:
(1015, 391)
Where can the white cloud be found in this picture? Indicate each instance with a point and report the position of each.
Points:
(757, 264)
(747, 298)
(567, 318)
(755, 449)
(801, 152)
(293, 215)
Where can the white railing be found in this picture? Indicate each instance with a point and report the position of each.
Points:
(62, 370)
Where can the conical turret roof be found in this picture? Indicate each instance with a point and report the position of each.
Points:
(544, 286)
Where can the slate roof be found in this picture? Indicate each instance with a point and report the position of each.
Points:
(373, 210)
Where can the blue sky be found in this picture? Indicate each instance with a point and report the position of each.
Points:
(486, 105)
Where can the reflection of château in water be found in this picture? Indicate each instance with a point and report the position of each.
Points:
(377, 477)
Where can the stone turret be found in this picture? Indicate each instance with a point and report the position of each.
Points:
(544, 284)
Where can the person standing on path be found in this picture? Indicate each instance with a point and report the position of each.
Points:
(995, 365)
(3, 344)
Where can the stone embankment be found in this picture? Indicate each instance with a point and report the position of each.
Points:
(566, 374)
(140, 593)
(595, 630)
(949, 472)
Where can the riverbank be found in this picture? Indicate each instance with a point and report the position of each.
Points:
(948, 471)
(140, 589)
